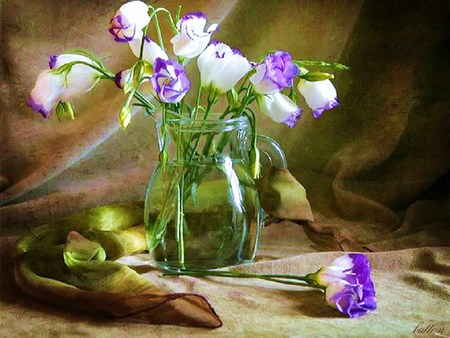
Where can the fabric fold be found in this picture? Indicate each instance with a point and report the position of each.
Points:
(56, 263)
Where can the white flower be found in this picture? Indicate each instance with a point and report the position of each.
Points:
(80, 79)
(191, 39)
(51, 88)
(280, 108)
(319, 95)
(122, 78)
(151, 49)
(221, 66)
(46, 93)
(129, 21)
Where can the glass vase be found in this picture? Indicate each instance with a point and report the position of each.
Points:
(202, 209)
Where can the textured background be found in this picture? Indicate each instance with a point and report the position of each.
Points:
(376, 168)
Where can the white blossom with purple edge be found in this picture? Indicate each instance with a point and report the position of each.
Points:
(349, 287)
(52, 88)
(46, 93)
(279, 108)
(129, 21)
(80, 79)
(169, 81)
(319, 95)
(151, 49)
(221, 66)
(122, 77)
(192, 38)
(275, 73)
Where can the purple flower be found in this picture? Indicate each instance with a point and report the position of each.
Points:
(191, 38)
(319, 95)
(221, 66)
(352, 300)
(349, 287)
(169, 81)
(129, 20)
(279, 108)
(275, 73)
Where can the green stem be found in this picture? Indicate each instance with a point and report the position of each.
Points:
(278, 278)
(180, 218)
(68, 66)
(197, 101)
(144, 100)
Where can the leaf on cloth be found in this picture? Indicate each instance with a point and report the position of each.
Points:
(330, 238)
(78, 275)
(282, 196)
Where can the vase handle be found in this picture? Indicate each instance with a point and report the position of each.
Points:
(274, 155)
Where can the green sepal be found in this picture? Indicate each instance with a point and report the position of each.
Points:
(60, 110)
(69, 109)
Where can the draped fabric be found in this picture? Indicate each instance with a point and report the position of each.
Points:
(375, 169)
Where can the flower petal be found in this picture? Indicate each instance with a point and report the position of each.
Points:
(319, 95)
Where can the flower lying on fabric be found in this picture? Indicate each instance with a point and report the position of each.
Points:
(349, 286)
(347, 282)
(129, 21)
(169, 81)
(221, 66)
(191, 38)
(52, 87)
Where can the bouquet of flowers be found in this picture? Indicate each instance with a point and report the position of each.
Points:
(270, 82)
(203, 146)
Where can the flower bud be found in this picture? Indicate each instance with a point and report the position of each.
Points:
(255, 163)
(163, 157)
(317, 76)
(69, 109)
(233, 99)
(125, 116)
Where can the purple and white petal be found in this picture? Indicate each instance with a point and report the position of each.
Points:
(122, 77)
(52, 88)
(46, 93)
(319, 95)
(81, 78)
(279, 108)
(352, 300)
(275, 73)
(192, 38)
(169, 81)
(222, 67)
(352, 268)
(349, 286)
(151, 49)
(57, 60)
(129, 20)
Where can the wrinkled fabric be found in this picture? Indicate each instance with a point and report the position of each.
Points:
(57, 264)
(375, 169)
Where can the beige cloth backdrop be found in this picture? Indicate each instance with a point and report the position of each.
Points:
(375, 168)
